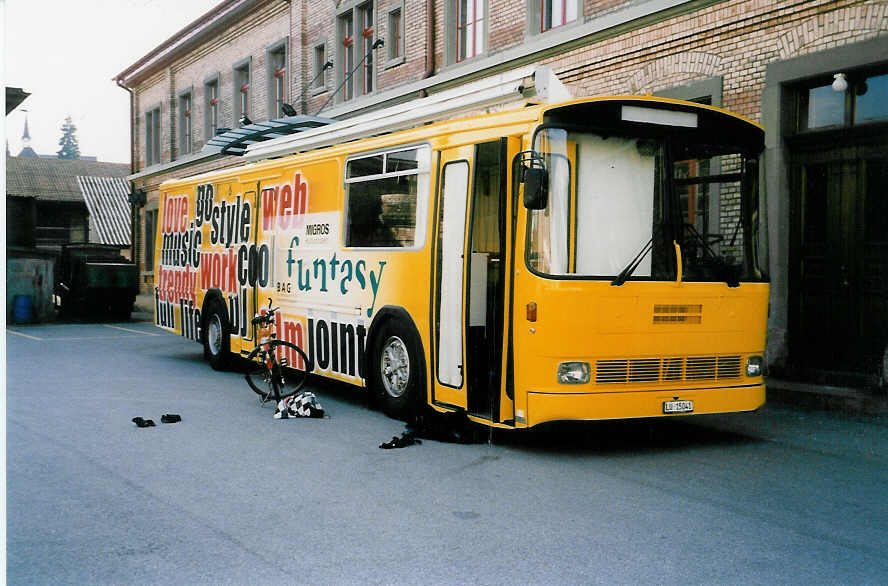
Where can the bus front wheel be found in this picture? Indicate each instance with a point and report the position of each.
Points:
(216, 340)
(397, 371)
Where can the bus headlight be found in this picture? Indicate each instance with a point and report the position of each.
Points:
(574, 373)
(754, 366)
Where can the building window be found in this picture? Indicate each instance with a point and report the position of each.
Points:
(347, 53)
(822, 107)
(150, 232)
(395, 40)
(241, 91)
(469, 28)
(871, 99)
(826, 104)
(319, 68)
(367, 33)
(356, 34)
(555, 13)
(152, 137)
(211, 107)
(277, 79)
(185, 123)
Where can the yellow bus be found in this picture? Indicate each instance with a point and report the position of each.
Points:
(591, 259)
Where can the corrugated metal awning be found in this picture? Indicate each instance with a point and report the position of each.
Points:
(109, 209)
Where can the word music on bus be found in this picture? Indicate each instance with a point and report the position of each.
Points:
(571, 259)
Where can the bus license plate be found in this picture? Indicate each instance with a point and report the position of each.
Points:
(678, 406)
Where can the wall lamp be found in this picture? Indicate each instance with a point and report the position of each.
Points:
(839, 84)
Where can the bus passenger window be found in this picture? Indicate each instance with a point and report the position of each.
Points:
(381, 199)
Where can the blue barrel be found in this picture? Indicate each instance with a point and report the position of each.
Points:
(22, 309)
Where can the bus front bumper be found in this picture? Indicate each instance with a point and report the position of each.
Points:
(542, 407)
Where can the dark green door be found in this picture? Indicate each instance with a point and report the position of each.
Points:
(839, 260)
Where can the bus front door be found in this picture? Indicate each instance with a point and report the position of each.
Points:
(448, 307)
(470, 279)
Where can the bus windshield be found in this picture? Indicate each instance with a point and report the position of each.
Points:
(617, 203)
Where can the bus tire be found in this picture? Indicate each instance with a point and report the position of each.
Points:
(216, 336)
(398, 374)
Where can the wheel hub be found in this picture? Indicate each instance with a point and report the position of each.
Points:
(214, 334)
(394, 365)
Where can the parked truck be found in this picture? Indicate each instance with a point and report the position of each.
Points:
(95, 279)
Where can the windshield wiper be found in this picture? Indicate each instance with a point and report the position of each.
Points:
(633, 264)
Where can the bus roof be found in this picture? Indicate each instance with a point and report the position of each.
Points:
(506, 122)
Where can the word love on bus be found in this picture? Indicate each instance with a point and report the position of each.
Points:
(182, 239)
(230, 221)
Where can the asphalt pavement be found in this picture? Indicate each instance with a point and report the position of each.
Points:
(230, 495)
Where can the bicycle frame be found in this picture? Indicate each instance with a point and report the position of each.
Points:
(272, 356)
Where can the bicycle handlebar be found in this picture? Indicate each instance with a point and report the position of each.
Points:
(267, 318)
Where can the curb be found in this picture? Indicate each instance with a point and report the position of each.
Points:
(826, 398)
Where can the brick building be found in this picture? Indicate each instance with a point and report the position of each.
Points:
(825, 167)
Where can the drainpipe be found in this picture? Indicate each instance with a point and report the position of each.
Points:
(133, 203)
(430, 44)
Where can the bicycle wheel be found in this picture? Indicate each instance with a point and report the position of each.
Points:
(288, 372)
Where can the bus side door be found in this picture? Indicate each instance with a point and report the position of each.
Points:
(448, 296)
(470, 259)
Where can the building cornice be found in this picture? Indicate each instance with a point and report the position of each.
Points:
(193, 159)
(191, 35)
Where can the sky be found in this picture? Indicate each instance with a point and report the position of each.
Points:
(65, 53)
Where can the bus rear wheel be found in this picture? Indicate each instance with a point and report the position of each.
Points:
(398, 377)
(216, 339)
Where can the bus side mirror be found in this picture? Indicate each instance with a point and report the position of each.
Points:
(536, 188)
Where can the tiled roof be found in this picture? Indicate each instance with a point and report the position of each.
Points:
(109, 208)
(55, 179)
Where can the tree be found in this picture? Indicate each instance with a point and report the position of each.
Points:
(68, 142)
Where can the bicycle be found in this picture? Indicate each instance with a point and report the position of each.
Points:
(268, 361)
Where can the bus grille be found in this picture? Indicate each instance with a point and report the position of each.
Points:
(645, 370)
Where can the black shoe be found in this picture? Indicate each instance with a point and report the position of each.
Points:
(406, 439)
(143, 422)
(170, 418)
